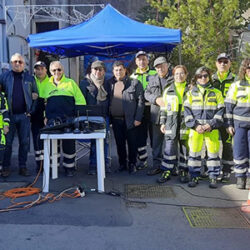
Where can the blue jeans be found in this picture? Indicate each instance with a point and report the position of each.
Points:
(21, 124)
(92, 155)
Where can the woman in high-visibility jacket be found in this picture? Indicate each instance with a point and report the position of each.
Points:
(203, 111)
(237, 118)
(173, 126)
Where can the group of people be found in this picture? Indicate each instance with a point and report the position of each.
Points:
(186, 122)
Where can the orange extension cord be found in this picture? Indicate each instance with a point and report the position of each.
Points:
(28, 191)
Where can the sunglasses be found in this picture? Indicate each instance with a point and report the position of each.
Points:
(54, 70)
(248, 67)
(202, 76)
(223, 61)
(18, 61)
(96, 69)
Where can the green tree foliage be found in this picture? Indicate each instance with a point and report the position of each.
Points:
(206, 27)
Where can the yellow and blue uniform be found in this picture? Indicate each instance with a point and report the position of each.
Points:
(145, 126)
(4, 121)
(176, 132)
(223, 82)
(62, 101)
(204, 105)
(237, 115)
(37, 120)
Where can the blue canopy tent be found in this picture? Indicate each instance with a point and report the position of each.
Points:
(109, 33)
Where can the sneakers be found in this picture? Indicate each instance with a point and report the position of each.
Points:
(154, 171)
(193, 182)
(174, 171)
(213, 183)
(164, 177)
(24, 172)
(183, 175)
(142, 165)
(132, 168)
(241, 182)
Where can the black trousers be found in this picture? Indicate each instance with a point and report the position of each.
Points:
(143, 130)
(125, 137)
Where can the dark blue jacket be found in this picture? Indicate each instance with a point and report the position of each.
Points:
(29, 87)
(90, 91)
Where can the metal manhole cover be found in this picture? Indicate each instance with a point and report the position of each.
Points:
(215, 217)
(148, 191)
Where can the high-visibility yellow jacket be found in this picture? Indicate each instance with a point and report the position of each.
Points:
(62, 98)
(4, 111)
(143, 77)
(172, 114)
(204, 106)
(237, 105)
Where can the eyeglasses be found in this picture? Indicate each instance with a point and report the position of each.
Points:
(202, 76)
(223, 61)
(54, 70)
(18, 61)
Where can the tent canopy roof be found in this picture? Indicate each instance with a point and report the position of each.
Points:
(108, 33)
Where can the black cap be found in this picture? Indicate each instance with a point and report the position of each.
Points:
(39, 63)
(223, 56)
(140, 53)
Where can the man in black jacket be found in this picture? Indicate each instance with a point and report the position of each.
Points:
(20, 90)
(127, 106)
(153, 94)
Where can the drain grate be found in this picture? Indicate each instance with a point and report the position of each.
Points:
(148, 191)
(215, 217)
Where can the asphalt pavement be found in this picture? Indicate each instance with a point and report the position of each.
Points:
(134, 213)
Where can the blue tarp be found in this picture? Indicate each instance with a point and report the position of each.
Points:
(108, 33)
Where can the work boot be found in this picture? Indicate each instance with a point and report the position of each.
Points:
(193, 182)
(247, 183)
(241, 182)
(154, 171)
(165, 176)
(174, 171)
(142, 165)
(132, 168)
(183, 175)
(225, 177)
(24, 172)
(122, 168)
(5, 172)
(213, 183)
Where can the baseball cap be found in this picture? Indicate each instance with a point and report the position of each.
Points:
(39, 63)
(223, 56)
(159, 60)
(140, 53)
(98, 64)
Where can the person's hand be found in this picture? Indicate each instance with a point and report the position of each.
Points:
(163, 128)
(159, 101)
(45, 121)
(137, 123)
(199, 129)
(34, 96)
(5, 129)
(28, 114)
(206, 128)
(230, 130)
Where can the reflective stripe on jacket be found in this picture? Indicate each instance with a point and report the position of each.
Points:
(204, 106)
(225, 84)
(172, 115)
(237, 105)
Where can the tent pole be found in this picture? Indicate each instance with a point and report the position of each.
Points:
(179, 48)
